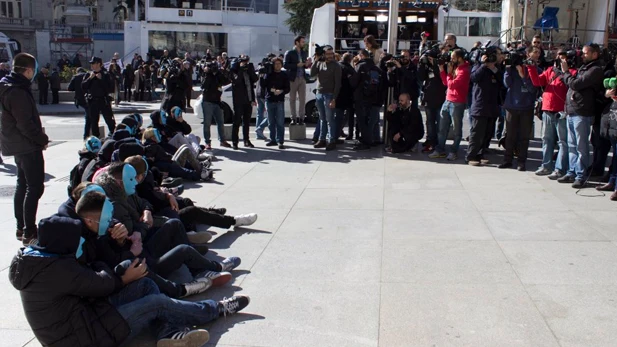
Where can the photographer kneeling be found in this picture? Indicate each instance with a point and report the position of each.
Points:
(328, 72)
(243, 78)
(406, 127)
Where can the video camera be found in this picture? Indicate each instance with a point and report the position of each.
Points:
(266, 66)
(572, 57)
(433, 52)
(515, 58)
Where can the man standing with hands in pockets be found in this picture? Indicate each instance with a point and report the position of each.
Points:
(295, 62)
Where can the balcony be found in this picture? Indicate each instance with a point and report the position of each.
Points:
(19, 24)
(217, 12)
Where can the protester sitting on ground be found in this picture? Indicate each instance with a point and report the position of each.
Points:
(58, 293)
(608, 130)
(184, 209)
(88, 154)
(405, 127)
(172, 164)
(175, 121)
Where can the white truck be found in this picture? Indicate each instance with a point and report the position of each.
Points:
(8, 49)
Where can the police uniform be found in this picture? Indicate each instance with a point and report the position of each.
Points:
(97, 92)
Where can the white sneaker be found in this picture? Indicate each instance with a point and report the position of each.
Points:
(196, 287)
(186, 338)
(198, 237)
(452, 157)
(245, 219)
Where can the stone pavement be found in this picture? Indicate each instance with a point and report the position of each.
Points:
(361, 249)
(68, 108)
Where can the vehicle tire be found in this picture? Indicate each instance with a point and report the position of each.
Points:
(310, 112)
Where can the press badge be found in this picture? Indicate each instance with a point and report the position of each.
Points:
(431, 75)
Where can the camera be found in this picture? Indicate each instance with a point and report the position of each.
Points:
(390, 60)
(266, 66)
(572, 57)
(515, 58)
(244, 58)
(212, 66)
(433, 52)
(320, 50)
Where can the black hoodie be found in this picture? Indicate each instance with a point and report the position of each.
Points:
(67, 209)
(66, 303)
(21, 131)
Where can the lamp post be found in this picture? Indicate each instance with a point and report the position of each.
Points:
(392, 45)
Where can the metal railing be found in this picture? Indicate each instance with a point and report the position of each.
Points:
(19, 22)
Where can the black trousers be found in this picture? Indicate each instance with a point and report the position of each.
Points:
(480, 126)
(29, 189)
(192, 215)
(96, 107)
(43, 93)
(519, 125)
(127, 91)
(242, 114)
(87, 122)
(601, 148)
(55, 98)
(490, 132)
(188, 93)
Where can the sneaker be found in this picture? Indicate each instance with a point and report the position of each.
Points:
(19, 234)
(555, 175)
(578, 184)
(474, 163)
(222, 211)
(208, 147)
(175, 191)
(452, 157)
(271, 143)
(198, 238)
(196, 287)
(203, 156)
(293, 121)
(245, 219)
(207, 175)
(281, 146)
(225, 144)
(566, 179)
(171, 182)
(230, 263)
(186, 338)
(30, 241)
(233, 305)
(484, 161)
(217, 279)
(542, 172)
(436, 155)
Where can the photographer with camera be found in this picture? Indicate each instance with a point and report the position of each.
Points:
(403, 76)
(519, 104)
(212, 89)
(368, 85)
(487, 82)
(243, 78)
(584, 88)
(175, 94)
(456, 78)
(276, 85)
(295, 62)
(261, 120)
(97, 86)
(328, 72)
(433, 95)
(553, 117)
(344, 113)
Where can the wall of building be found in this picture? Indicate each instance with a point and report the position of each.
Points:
(42, 47)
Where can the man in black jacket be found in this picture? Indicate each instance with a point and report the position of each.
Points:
(433, 97)
(69, 304)
(276, 85)
(295, 61)
(403, 76)
(406, 127)
(42, 80)
(176, 83)
(344, 112)
(584, 88)
(212, 86)
(80, 98)
(22, 136)
(55, 84)
(243, 79)
(97, 86)
(367, 84)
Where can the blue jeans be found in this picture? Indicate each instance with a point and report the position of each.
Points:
(134, 291)
(276, 121)
(451, 113)
(579, 129)
(368, 118)
(326, 117)
(168, 314)
(213, 110)
(261, 122)
(555, 130)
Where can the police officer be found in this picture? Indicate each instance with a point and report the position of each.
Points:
(97, 86)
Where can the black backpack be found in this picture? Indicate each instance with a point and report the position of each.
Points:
(372, 82)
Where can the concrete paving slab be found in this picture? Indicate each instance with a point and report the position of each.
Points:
(460, 315)
(13, 338)
(602, 221)
(332, 313)
(13, 317)
(519, 200)
(445, 262)
(277, 199)
(428, 200)
(579, 315)
(333, 225)
(434, 225)
(563, 262)
(341, 199)
(540, 226)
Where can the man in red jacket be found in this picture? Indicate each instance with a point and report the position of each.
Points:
(456, 78)
(553, 119)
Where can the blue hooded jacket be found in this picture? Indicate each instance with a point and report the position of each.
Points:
(521, 93)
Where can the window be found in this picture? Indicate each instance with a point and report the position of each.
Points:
(186, 42)
(10, 9)
(456, 25)
(3, 11)
(484, 26)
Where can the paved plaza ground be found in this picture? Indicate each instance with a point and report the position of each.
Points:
(363, 249)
